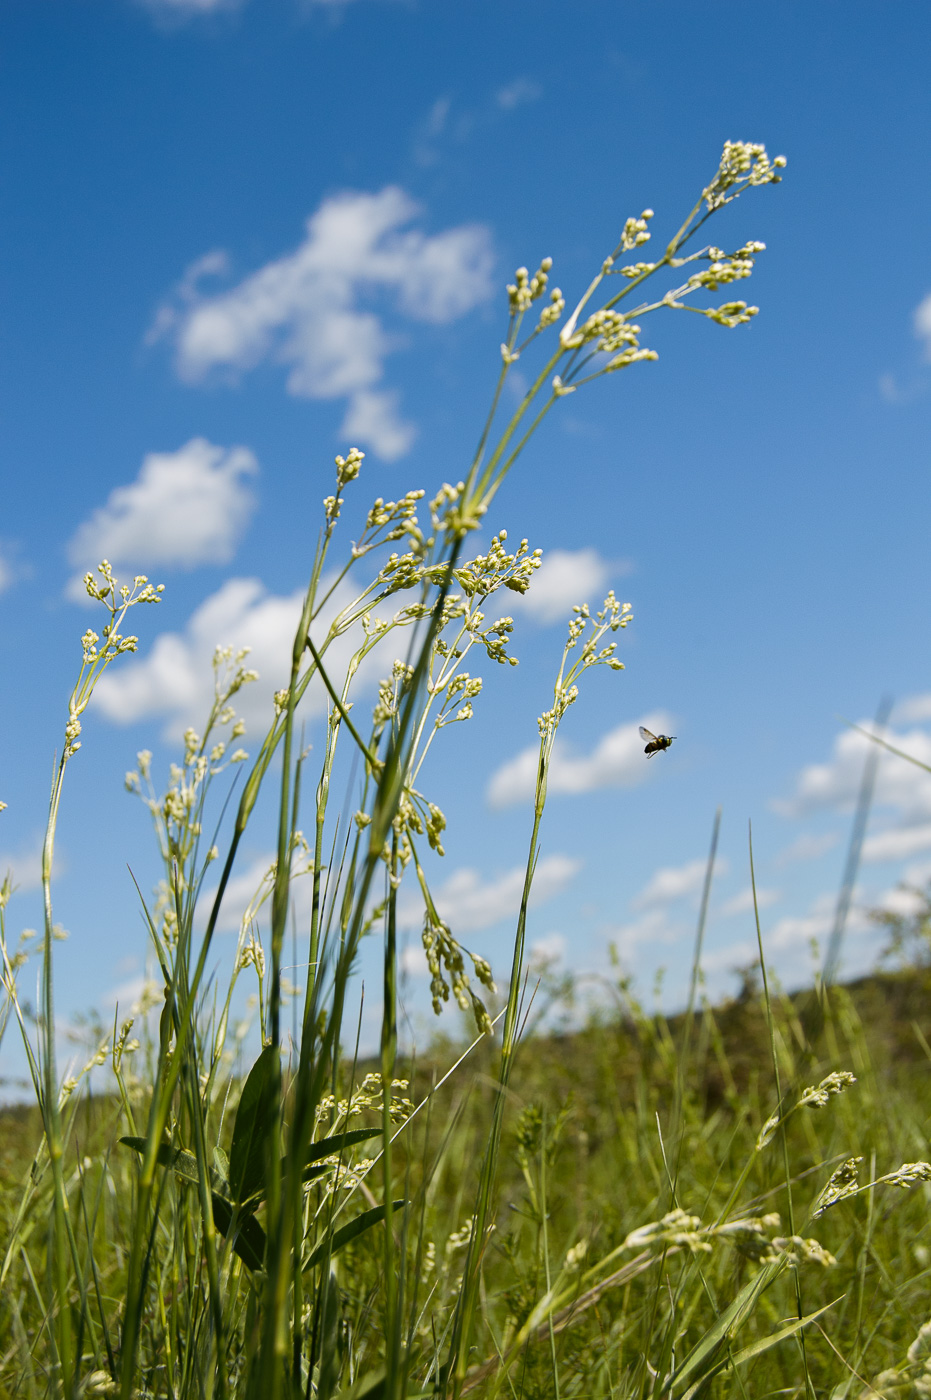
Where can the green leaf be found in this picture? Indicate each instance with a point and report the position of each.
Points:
(727, 1324)
(368, 1387)
(248, 1240)
(332, 1146)
(340, 1238)
(256, 1122)
(178, 1158)
(221, 1164)
(757, 1348)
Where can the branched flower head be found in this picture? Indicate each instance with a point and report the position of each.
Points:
(585, 633)
(525, 290)
(842, 1184)
(832, 1084)
(446, 961)
(743, 163)
(636, 232)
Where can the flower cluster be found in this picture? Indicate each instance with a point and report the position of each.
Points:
(751, 1235)
(636, 232)
(368, 1096)
(725, 268)
(731, 313)
(843, 1183)
(910, 1381)
(525, 290)
(448, 971)
(832, 1084)
(487, 572)
(611, 617)
(743, 163)
(398, 518)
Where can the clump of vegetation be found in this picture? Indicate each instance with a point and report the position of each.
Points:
(318, 1228)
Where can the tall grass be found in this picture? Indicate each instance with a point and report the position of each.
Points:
(320, 1227)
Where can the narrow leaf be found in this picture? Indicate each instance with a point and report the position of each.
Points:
(332, 1146)
(248, 1240)
(256, 1122)
(346, 1233)
(368, 1387)
(729, 1321)
(757, 1348)
(178, 1158)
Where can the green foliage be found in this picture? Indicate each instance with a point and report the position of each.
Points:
(601, 1217)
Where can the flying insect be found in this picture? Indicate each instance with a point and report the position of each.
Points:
(656, 743)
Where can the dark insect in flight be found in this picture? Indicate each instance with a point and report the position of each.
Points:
(655, 742)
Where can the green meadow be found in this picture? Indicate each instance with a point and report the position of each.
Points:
(731, 1201)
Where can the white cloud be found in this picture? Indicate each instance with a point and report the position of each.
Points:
(189, 9)
(899, 784)
(175, 678)
(786, 940)
(468, 904)
(808, 847)
(616, 761)
(548, 950)
(923, 324)
(304, 309)
(566, 577)
(652, 929)
(372, 417)
(241, 890)
(25, 865)
(7, 573)
(518, 93)
(898, 843)
(742, 903)
(426, 150)
(675, 882)
(413, 960)
(914, 709)
(185, 508)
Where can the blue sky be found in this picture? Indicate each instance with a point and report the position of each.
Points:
(240, 238)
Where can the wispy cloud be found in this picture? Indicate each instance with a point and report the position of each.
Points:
(518, 93)
(174, 679)
(567, 577)
(916, 384)
(25, 865)
(447, 123)
(617, 760)
(742, 902)
(922, 324)
(674, 882)
(189, 9)
(914, 709)
(9, 569)
(548, 950)
(898, 843)
(468, 903)
(786, 940)
(185, 508)
(653, 929)
(808, 846)
(429, 133)
(307, 309)
(834, 785)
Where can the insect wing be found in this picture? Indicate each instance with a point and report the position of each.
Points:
(646, 734)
